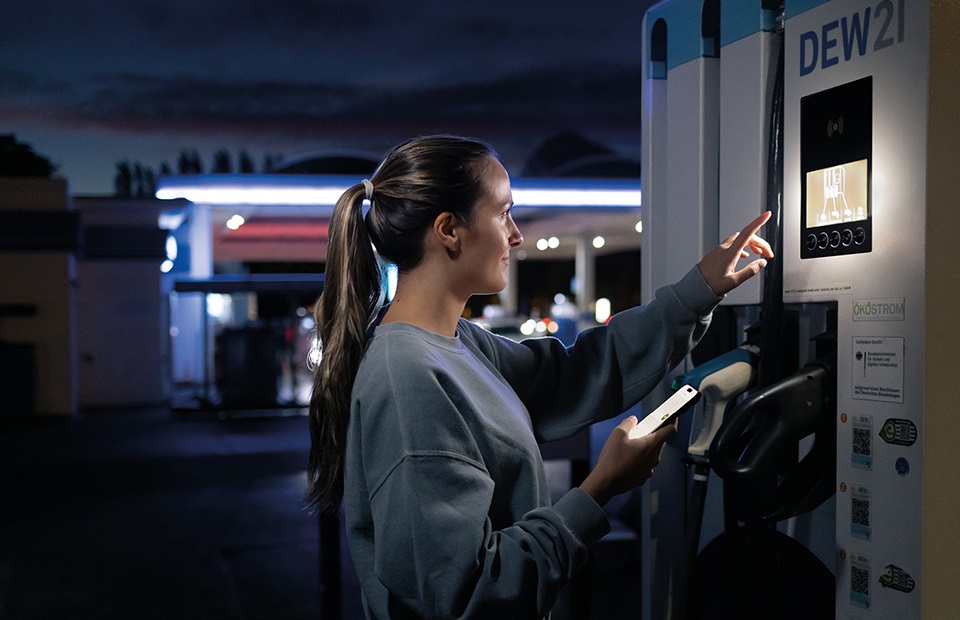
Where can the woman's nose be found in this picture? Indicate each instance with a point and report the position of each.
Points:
(516, 239)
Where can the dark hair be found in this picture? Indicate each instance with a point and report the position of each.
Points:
(416, 182)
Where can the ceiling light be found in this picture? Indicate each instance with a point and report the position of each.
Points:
(579, 193)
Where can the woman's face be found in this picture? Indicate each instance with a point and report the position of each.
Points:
(485, 251)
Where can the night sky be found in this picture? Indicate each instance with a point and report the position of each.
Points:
(92, 83)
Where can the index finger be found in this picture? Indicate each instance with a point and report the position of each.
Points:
(747, 234)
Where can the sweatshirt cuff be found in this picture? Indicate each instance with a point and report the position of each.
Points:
(694, 293)
(585, 518)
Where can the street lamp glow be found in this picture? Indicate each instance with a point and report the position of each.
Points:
(171, 248)
(602, 310)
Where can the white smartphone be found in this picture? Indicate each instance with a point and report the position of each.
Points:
(680, 401)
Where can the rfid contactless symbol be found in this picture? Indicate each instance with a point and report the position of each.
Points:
(834, 126)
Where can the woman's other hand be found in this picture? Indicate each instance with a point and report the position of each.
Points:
(625, 463)
(719, 266)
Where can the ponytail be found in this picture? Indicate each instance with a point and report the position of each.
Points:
(350, 295)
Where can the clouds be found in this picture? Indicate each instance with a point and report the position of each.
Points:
(537, 99)
(289, 71)
(333, 41)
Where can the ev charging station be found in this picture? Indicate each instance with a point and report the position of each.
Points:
(827, 488)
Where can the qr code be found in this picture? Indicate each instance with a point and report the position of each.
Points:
(861, 512)
(861, 441)
(860, 580)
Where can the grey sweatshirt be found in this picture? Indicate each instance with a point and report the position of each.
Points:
(447, 508)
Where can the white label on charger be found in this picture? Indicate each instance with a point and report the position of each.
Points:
(878, 369)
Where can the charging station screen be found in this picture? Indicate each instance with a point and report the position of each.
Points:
(836, 145)
(838, 194)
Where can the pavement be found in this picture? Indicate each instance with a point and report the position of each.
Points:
(160, 513)
(147, 513)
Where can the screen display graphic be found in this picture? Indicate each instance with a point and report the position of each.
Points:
(837, 195)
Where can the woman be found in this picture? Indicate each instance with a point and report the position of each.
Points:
(427, 426)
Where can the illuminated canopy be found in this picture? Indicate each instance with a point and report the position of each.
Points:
(323, 191)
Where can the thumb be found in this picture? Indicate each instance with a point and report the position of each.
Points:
(627, 423)
(749, 271)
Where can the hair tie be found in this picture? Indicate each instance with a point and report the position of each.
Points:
(368, 188)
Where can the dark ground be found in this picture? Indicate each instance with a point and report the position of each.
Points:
(146, 513)
(149, 513)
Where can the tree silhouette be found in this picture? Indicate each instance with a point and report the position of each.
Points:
(195, 162)
(246, 164)
(123, 180)
(268, 163)
(17, 159)
(183, 163)
(221, 162)
(137, 179)
(148, 185)
(189, 162)
(134, 181)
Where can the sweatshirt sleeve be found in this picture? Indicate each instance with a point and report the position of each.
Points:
(610, 367)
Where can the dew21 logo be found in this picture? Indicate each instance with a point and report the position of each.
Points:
(853, 36)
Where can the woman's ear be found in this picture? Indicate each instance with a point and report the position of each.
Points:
(447, 231)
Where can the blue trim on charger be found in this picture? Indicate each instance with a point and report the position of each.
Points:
(792, 8)
(740, 19)
(683, 19)
(696, 376)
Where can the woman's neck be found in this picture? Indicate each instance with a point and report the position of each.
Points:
(424, 300)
